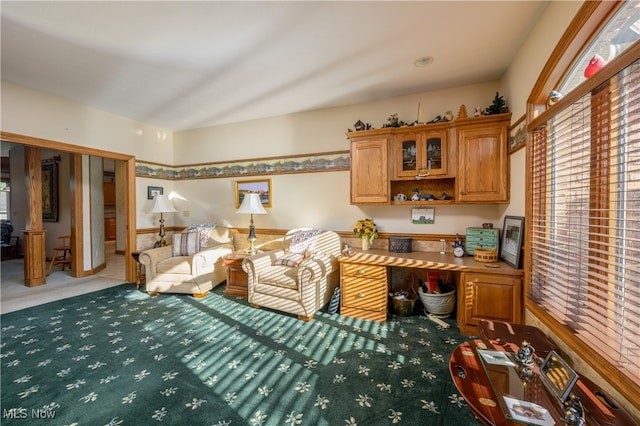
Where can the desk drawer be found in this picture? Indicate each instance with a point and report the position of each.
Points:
(368, 271)
(364, 298)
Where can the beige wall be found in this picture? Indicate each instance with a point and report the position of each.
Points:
(319, 199)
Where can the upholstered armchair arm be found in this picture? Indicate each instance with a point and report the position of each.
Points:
(150, 259)
(252, 265)
(318, 266)
(204, 261)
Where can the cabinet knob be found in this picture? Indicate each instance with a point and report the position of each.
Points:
(361, 295)
(361, 271)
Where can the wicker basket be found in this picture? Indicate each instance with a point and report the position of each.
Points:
(485, 255)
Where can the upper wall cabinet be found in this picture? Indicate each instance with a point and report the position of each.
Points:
(423, 154)
(483, 161)
(460, 161)
(370, 170)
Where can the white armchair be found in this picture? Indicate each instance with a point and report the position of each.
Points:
(194, 273)
(276, 280)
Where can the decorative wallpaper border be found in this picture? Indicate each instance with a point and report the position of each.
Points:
(308, 163)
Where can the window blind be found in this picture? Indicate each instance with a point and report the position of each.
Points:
(585, 219)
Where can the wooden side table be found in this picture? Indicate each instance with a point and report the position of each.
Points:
(237, 280)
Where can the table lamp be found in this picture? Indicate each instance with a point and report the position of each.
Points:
(161, 204)
(252, 204)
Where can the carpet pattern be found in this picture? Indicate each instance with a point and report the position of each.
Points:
(121, 357)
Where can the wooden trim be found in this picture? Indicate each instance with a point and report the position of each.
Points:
(626, 58)
(581, 31)
(130, 215)
(77, 214)
(60, 146)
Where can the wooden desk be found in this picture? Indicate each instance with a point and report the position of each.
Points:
(237, 279)
(475, 386)
(364, 281)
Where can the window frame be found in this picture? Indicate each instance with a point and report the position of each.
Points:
(585, 27)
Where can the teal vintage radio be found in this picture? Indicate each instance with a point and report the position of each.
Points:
(487, 238)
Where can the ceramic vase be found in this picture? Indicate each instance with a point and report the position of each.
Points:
(366, 243)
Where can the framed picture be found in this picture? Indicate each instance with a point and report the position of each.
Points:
(511, 246)
(152, 191)
(262, 187)
(49, 191)
(517, 135)
(423, 215)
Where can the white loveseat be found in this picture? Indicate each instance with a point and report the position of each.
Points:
(195, 273)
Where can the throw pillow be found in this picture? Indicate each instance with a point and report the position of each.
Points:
(204, 230)
(290, 259)
(186, 244)
(303, 240)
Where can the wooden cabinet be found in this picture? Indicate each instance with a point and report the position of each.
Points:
(363, 291)
(109, 189)
(488, 296)
(370, 170)
(483, 162)
(460, 161)
(110, 229)
(423, 154)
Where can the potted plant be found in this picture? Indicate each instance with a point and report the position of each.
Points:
(367, 231)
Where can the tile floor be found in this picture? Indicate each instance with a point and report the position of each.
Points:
(14, 295)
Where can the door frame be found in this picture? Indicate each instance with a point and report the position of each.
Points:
(77, 231)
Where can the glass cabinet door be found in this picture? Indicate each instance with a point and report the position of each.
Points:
(407, 156)
(421, 155)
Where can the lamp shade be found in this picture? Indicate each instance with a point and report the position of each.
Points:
(161, 204)
(251, 203)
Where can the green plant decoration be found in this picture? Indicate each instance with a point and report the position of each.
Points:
(498, 106)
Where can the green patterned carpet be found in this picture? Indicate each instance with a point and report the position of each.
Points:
(120, 357)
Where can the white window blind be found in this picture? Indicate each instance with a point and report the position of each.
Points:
(585, 219)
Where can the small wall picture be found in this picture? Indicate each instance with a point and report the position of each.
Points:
(517, 135)
(262, 187)
(152, 191)
(423, 215)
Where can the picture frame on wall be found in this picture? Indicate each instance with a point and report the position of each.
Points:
(423, 215)
(512, 238)
(517, 135)
(259, 186)
(152, 191)
(49, 191)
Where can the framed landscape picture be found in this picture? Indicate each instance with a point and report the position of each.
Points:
(261, 186)
(423, 215)
(517, 135)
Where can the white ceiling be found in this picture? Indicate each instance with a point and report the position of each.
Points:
(181, 65)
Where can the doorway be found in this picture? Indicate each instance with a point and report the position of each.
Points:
(80, 202)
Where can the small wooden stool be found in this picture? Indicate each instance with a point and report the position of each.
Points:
(60, 254)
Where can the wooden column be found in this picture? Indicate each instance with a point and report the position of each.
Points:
(34, 236)
(35, 264)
